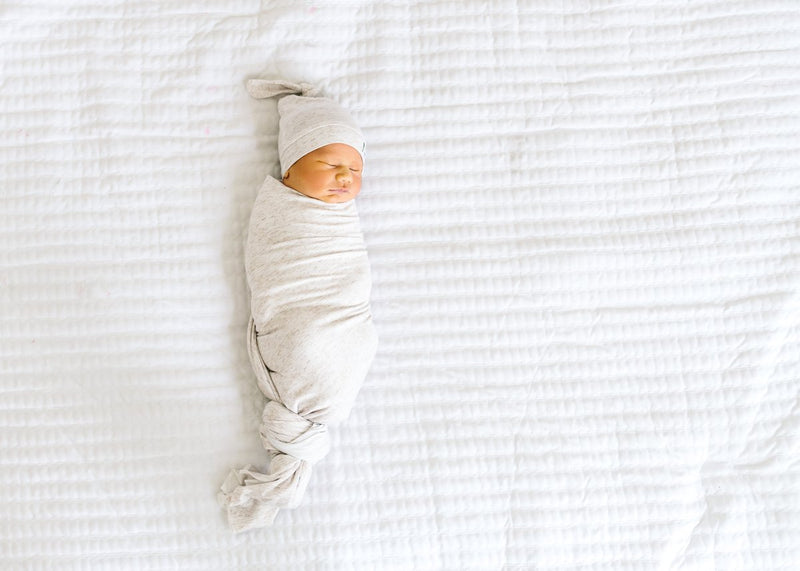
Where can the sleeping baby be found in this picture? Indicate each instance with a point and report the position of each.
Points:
(311, 340)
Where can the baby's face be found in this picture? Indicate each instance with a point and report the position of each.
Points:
(331, 174)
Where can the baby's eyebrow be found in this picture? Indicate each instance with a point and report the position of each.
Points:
(331, 159)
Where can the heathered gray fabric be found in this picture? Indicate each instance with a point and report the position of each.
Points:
(311, 340)
(307, 120)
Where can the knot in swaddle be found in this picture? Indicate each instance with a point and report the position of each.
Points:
(287, 432)
(308, 121)
(253, 498)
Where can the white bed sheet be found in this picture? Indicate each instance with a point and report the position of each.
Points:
(583, 220)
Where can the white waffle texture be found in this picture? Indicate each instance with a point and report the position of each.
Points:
(583, 224)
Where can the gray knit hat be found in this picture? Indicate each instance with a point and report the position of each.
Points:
(307, 120)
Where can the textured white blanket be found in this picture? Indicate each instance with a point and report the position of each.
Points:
(583, 226)
(311, 340)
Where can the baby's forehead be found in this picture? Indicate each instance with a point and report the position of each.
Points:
(336, 149)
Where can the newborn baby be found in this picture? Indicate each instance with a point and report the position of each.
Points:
(311, 340)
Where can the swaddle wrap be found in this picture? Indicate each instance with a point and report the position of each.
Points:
(311, 340)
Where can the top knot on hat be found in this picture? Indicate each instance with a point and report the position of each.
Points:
(308, 121)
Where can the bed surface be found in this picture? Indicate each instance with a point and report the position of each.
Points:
(583, 220)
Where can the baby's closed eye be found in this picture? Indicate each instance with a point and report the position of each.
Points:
(354, 170)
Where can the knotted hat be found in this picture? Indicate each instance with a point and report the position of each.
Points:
(308, 121)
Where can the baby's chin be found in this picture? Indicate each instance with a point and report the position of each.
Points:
(336, 199)
(327, 196)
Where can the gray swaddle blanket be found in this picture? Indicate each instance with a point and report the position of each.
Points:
(311, 340)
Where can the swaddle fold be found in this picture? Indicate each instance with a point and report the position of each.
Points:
(311, 340)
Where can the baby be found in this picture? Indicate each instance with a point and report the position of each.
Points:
(331, 174)
(311, 340)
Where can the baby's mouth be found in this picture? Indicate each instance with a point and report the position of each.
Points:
(339, 190)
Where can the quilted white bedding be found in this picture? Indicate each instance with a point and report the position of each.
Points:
(583, 223)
